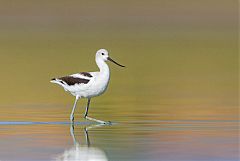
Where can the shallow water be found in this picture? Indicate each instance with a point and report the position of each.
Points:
(142, 136)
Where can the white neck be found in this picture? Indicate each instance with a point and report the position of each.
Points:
(102, 65)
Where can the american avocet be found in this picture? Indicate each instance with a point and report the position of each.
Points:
(88, 84)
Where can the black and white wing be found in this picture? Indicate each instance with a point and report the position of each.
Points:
(74, 79)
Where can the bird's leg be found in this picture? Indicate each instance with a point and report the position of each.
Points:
(74, 106)
(88, 103)
(93, 119)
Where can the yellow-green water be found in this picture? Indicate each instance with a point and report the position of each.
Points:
(177, 99)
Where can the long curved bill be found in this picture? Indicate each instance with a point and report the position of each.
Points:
(115, 62)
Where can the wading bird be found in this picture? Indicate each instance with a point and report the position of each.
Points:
(88, 84)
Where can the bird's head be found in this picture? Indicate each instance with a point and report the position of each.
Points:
(103, 54)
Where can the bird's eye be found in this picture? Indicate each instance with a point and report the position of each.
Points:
(102, 53)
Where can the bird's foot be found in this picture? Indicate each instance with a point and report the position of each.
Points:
(99, 121)
(108, 123)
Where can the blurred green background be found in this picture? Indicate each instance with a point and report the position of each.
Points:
(180, 53)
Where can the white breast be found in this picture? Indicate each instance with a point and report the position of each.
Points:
(100, 83)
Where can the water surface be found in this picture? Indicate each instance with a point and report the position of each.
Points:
(139, 137)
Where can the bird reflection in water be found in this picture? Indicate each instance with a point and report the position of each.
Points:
(82, 152)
